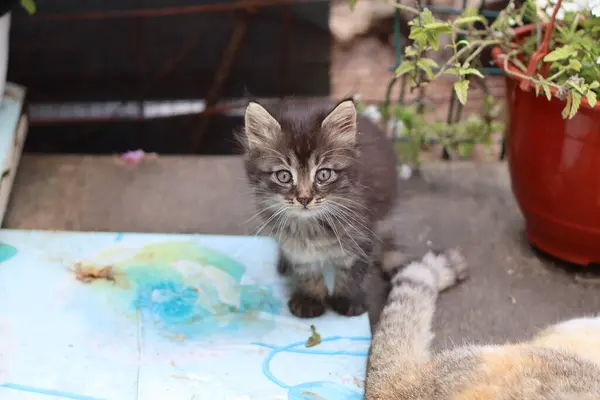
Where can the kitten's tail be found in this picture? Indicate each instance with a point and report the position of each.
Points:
(402, 336)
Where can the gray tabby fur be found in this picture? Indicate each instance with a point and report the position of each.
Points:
(320, 223)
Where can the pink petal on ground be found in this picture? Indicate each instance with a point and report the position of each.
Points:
(133, 157)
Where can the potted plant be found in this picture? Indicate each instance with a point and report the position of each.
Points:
(550, 52)
(6, 7)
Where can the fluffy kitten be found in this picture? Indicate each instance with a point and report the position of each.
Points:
(560, 363)
(322, 179)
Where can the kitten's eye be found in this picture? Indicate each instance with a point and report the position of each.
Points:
(283, 176)
(324, 174)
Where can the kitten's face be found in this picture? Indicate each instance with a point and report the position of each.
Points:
(301, 166)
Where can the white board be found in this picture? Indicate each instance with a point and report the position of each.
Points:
(181, 317)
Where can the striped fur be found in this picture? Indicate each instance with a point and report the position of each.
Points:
(560, 363)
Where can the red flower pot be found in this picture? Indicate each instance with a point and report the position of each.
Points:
(555, 169)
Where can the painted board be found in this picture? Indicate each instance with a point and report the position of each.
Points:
(144, 316)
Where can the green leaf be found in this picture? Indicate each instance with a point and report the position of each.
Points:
(425, 64)
(438, 27)
(561, 53)
(472, 71)
(426, 16)
(461, 87)
(434, 42)
(471, 12)
(430, 62)
(469, 20)
(404, 68)
(591, 98)
(574, 64)
(537, 89)
(567, 110)
(29, 6)
(547, 91)
(464, 149)
(410, 51)
(452, 71)
(419, 35)
(594, 85)
(575, 103)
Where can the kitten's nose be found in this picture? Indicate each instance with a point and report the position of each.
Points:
(304, 200)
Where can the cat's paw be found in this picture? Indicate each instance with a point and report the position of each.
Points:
(449, 267)
(347, 306)
(458, 264)
(303, 306)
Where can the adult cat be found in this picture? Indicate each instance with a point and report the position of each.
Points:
(560, 363)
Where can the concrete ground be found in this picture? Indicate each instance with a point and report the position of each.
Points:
(512, 291)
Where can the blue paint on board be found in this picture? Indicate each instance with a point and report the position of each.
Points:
(119, 237)
(47, 392)
(311, 390)
(7, 252)
(168, 301)
(196, 302)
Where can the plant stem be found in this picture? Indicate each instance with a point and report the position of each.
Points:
(475, 53)
(556, 75)
(402, 7)
(523, 76)
(519, 65)
(481, 43)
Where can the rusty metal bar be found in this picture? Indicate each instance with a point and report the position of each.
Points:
(164, 12)
(285, 49)
(223, 71)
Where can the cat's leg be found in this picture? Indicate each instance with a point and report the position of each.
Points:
(310, 293)
(400, 345)
(348, 296)
(579, 336)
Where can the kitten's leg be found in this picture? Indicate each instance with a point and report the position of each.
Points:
(310, 294)
(400, 344)
(284, 268)
(348, 295)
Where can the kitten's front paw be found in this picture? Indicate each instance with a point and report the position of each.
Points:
(303, 306)
(347, 306)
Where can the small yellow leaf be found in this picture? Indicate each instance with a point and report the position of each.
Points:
(461, 88)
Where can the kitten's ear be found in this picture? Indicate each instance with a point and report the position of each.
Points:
(260, 126)
(340, 124)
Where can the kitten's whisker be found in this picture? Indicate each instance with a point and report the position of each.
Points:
(343, 222)
(342, 199)
(349, 216)
(334, 229)
(280, 224)
(260, 212)
(278, 212)
(351, 213)
(354, 231)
